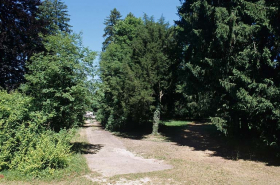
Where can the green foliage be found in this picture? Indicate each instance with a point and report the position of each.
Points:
(13, 111)
(136, 72)
(55, 14)
(58, 97)
(110, 23)
(230, 56)
(55, 96)
(57, 80)
(76, 167)
(120, 89)
(25, 146)
(48, 152)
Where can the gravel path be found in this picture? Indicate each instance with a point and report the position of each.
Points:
(111, 158)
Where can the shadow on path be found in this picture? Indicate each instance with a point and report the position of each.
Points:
(85, 148)
(203, 136)
(136, 133)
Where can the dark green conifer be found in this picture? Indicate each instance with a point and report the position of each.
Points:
(19, 39)
(136, 71)
(231, 53)
(110, 22)
(56, 14)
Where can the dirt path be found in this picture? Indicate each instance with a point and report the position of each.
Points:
(196, 158)
(110, 157)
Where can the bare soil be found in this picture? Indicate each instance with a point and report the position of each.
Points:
(190, 155)
(109, 156)
(198, 158)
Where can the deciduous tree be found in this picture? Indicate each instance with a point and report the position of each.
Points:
(57, 80)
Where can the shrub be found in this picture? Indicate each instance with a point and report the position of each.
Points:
(14, 113)
(48, 152)
(25, 145)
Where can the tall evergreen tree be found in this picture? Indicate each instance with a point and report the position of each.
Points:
(151, 47)
(110, 22)
(136, 72)
(56, 14)
(120, 86)
(19, 39)
(229, 53)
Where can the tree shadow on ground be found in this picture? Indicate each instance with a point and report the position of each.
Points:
(85, 148)
(136, 133)
(88, 125)
(205, 136)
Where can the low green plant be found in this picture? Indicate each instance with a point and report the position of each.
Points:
(14, 116)
(50, 152)
(25, 145)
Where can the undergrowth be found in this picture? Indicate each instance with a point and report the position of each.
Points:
(76, 168)
(29, 150)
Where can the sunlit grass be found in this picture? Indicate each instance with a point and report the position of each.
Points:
(175, 123)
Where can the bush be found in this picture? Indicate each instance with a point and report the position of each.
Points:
(25, 145)
(14, 113)
(48, 152)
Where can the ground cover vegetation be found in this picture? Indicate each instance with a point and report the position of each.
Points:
(44, 90)
(220, 61)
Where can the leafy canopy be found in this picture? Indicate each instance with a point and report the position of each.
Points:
(57, 80)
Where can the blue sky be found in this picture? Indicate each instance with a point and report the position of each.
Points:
(88, 15)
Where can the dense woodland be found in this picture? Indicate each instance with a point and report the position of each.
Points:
(219, 61)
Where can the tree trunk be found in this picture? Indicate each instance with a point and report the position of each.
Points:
(156, 118)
